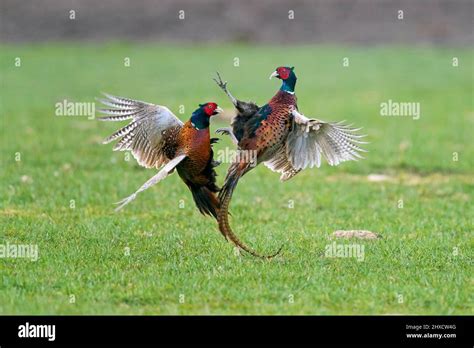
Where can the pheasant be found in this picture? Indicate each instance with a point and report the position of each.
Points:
(157, 138)
(283, 139)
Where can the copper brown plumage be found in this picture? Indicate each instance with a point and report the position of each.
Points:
(284, 140)
(157, 138)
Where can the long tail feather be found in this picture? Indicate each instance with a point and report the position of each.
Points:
(206, 200)
(234, 174)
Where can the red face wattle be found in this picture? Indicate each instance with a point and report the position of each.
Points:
(211, 109)
(283, 72)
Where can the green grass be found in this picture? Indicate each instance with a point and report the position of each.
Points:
(426, 251)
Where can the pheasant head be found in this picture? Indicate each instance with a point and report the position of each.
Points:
(200, 117)
(288, 77)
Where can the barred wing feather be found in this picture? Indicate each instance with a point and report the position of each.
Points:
(280, 163)
(311, 140)
(144, 135)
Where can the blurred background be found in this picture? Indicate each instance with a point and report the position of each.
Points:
(447, 22)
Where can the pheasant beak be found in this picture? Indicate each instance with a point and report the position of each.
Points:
(274, 74)
(218, 111)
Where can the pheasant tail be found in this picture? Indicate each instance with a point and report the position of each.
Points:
(235, 172)
(206, 200)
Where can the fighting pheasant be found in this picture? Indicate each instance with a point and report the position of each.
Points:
(157, 138)
(283, 139)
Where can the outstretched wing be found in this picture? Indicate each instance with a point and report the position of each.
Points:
(147, 133)
(280, 163)
(163, 173)
(312, 139)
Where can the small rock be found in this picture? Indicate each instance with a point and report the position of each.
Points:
(26, 179)
(66, 167)
(378, 177)
(404, 145)
(361, 234)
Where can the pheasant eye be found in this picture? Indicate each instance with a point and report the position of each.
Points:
(283, 72)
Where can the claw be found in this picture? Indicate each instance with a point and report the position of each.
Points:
(219, 82)
(223, 86)
(215, 163)
(223, 131)
(228, 131)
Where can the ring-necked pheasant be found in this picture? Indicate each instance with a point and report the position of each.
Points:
(283, 139)
(156, 137)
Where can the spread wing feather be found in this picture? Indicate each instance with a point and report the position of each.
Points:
(280, 163)
(145, 135)
(310, 140)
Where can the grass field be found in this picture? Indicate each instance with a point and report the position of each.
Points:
(158, 257)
